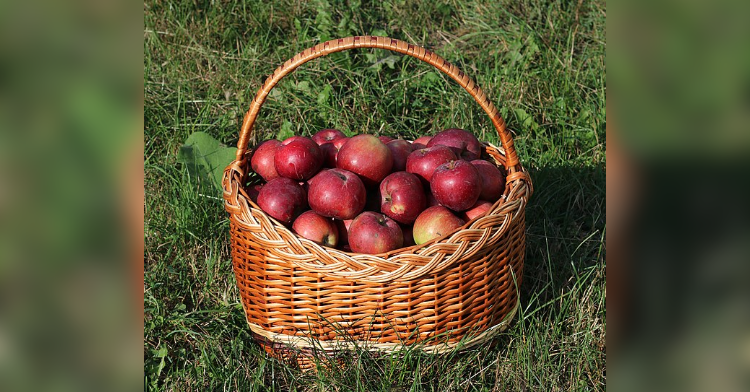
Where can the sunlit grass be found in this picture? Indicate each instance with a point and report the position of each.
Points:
(541, 62)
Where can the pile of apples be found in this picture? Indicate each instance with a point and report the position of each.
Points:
(371, 194)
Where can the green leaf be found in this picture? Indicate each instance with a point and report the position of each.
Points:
(161, 352)
(304, 86)
(532, 47)
(377, 65)
(390, 61)
(286, 131)
(206, 158)
(526, 120)
(430, 78)
(324, 94)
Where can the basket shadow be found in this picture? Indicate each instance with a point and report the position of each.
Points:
(565, 224)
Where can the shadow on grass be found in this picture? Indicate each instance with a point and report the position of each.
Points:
(565, 224)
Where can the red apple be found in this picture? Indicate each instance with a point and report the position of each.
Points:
(327, 135)
(435, 222)
(299, 159)
(340, 142)
(283, 199)
(385, 139)
(305, 185)
(480, 208)
(254, 191)
(421, 142)
(262, 160)
(329, 151)
(316, 228)
(292, 139)
(374, 233)
(464, 144)
(408, 231)
(343, 227)
(400, 149)
(337, 193)
(366, 156)
(402, 197)
(431, 200)
(493, 181)
(456, 185)
(423, 162)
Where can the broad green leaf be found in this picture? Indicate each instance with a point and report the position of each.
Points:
(303, 86)
(324, 94)
(161, 352)
(526, 120)
(206, 158)
(430, 78)
(390, 61)
(286, 131)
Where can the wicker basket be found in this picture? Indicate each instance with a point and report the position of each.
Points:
(299, 296)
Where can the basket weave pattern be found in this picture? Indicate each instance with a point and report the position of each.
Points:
(434, 294)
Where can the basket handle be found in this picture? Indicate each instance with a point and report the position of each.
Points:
(322, 49)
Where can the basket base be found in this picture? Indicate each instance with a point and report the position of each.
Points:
(305, 352)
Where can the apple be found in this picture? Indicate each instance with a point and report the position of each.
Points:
(423, 162)
(464, 144)
(263, 158)
(385, 139)
(400, 149)
(343, 227)
(408, 231)
(254, 191)
(327, 135)
(402, 197)
(493, 180)
(292, 139)
(316, 228)
(456, 185)
(329, 151)
(478, 209)
(337, 193)
(299, 159)
(283, 199)
(421, 142)
(366, 156)
(340, 142)
(431, 200)
(374, 233)
(435, 222)
(305, 185)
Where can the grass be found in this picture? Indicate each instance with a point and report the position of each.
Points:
(541, 62)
